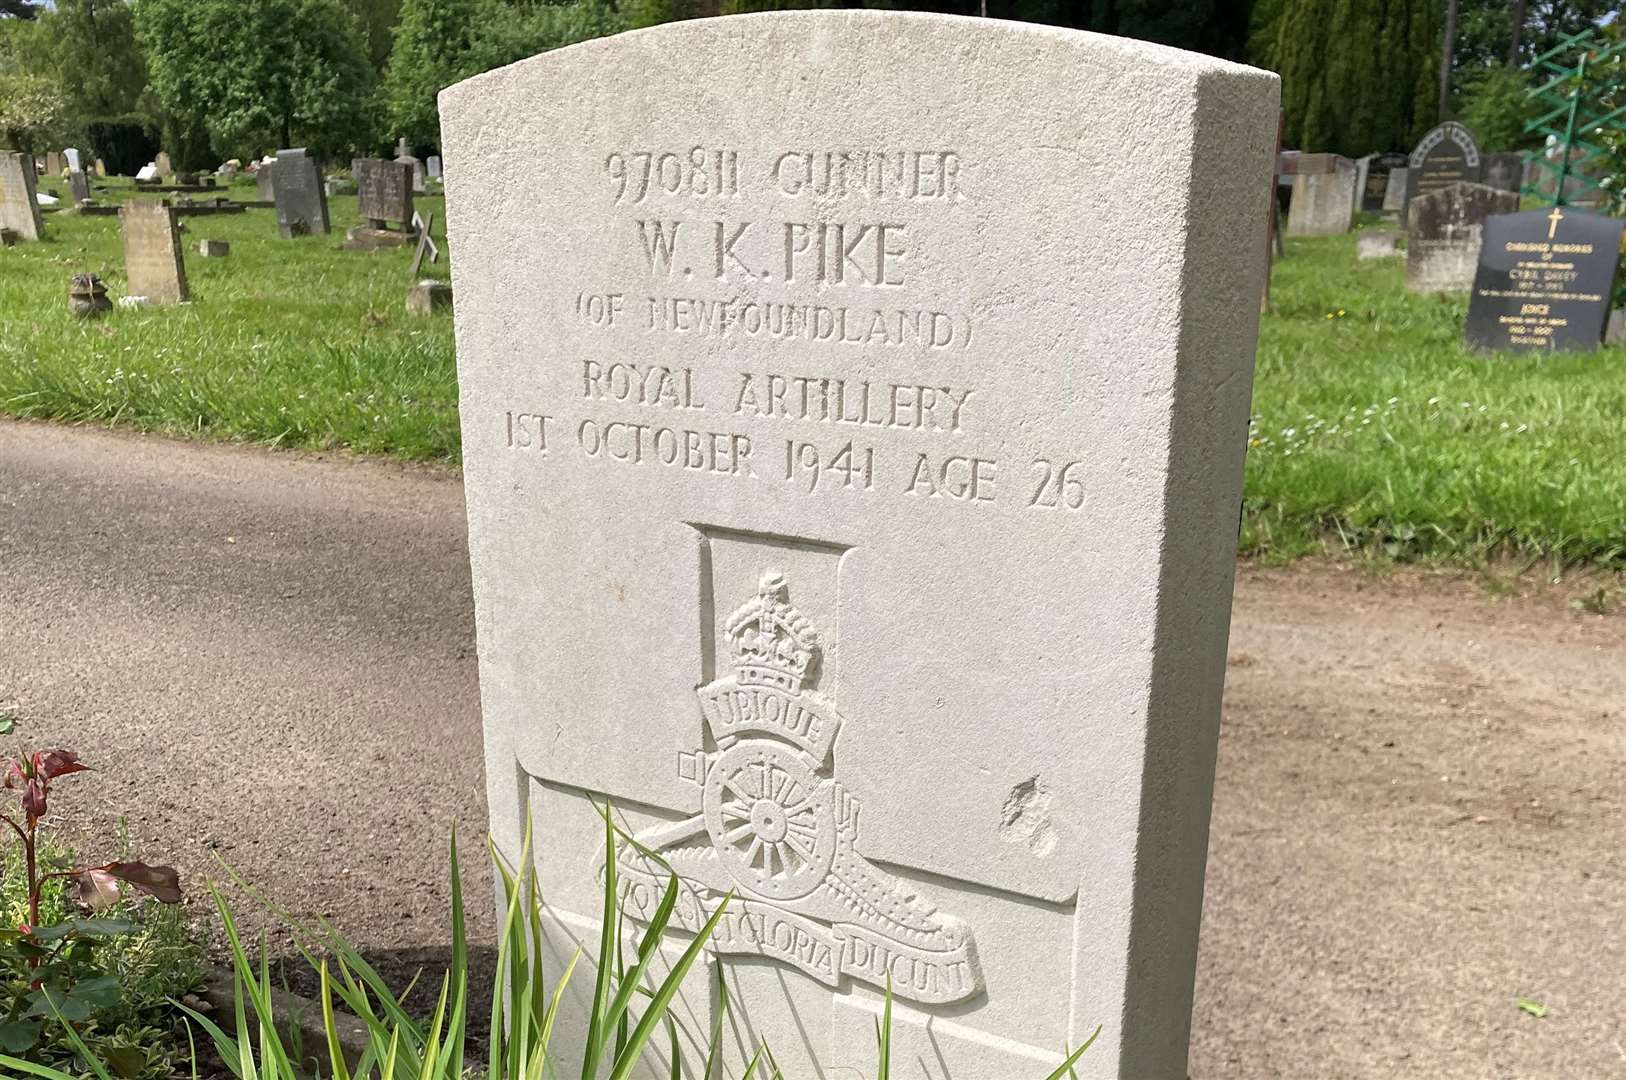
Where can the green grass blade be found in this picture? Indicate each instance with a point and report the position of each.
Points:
(1065, 1068)
(598, 1031)
(341, 1071)
(28, 1068)
(883, 1035)
(662, 998)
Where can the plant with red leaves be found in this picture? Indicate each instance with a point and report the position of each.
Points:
(51, 963)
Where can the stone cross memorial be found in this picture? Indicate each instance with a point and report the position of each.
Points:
(853, 498)
(1446, 155)
(301, 199)
(1444, 229)
(153, 263)
(1545, 280)
(19, 208)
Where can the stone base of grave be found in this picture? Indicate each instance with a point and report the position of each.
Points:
(427, 297)
(214, 249)
(97, 210)
(362, 238)
(1376, 245)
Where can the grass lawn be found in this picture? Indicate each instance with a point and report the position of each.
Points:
(287, 342)
(1374, 429)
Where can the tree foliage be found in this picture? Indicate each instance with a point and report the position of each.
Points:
(91, 47)
(260, 74)
(1357, 75)
(31, 110)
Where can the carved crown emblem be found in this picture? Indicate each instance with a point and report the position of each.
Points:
(773, 643)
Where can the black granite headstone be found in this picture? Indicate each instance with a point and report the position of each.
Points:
(1544, 281)
(384, 189)
(1446, 155)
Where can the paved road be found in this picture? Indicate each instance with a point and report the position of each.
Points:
(269, 657)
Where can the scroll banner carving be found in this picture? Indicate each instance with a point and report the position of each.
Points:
(782, 834)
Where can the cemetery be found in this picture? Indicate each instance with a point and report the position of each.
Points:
(962, 550)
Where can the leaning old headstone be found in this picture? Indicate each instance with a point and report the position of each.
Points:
(19, 206)
(868, 581)
(1545, 280)
(1447, 155)
(1444, 229)
(1325, 196)
(301, 201)
(153, 264)
(79, 184)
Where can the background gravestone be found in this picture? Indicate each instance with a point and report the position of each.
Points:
(1544, 281)
(71, 157)
(923, 573)
(163, 164)
(1372, 179)
(432, 165)
(384, 189)
(301, 200)
(1446, 155)
(54, 164)
(19, 209)
(1504, 171)
(1444, 229)
(265, 182)
(1394, 194)
(1325, 197)
(153, 263)
(79, 185)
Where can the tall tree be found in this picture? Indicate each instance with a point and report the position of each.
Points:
(261, 74)
(98, 63)
(1448, 44)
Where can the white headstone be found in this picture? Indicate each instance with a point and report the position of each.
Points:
(833, 451)
(433, 165)
(73, 160)
(149, 171)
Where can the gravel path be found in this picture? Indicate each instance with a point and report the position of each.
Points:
(1420, 817)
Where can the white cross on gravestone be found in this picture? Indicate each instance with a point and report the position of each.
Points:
(853, 484)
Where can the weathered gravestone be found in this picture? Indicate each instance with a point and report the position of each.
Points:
(1504, 171)
(1376, 244)
(1394, 195)
(432, 164)
(852, 500)
(79, 184)
(1444, 229)
(301, 201)
(1372, 177)
(54, 164)
(19, 208)
(153, 264)
(161, 162)
(1545, 280)
(384, 190)
(1446, 155)
(1324, 196)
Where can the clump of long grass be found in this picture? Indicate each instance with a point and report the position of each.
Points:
(524, 1010)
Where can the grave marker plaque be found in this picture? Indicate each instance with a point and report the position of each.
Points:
(19, 209)
(1545, 280)
(153, 263)
(852, 499)
(301, 199)
(385, 191)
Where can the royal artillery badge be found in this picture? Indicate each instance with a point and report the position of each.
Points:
(779, 830)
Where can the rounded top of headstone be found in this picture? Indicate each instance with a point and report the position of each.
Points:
(951, 37)
(1450, 131)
